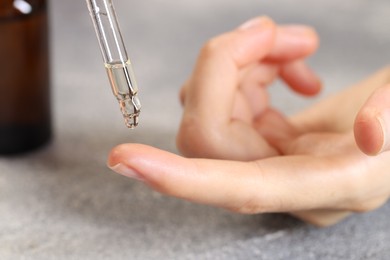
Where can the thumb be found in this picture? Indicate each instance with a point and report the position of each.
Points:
(372, 124)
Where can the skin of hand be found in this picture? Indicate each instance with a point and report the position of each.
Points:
(249, 158)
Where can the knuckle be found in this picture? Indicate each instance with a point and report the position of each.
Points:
(358, 199)
(215, 47)
(258, 200)
(249, 207)
(258, 205)
(210, 47)
(355, 185)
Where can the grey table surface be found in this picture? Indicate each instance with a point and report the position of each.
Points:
(63, 203)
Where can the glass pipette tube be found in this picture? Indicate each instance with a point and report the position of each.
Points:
(117, 63)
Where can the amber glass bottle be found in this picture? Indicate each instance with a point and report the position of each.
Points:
(24, 76)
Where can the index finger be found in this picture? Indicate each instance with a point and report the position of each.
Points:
(215, 77)
(279, 184)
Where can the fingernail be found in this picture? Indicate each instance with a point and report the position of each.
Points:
(256, 22)
(126, 171)
(384, 120)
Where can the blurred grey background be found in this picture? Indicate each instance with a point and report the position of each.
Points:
(63, 203)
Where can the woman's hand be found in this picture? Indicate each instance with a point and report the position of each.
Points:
(308, 165)
(226, 100)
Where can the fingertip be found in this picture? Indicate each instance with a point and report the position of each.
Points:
(311, 86)
(384, 121)
(159, 169)
(129, 151)
(122, 159)
(294, 42)
(117, 161)
(115, 155)
(137, 154)
(372, 124)
(368, 132)
(252, 41)
(305, 35)
(249, 43)
(301, 78)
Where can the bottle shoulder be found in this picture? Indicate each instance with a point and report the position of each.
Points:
(14, 9)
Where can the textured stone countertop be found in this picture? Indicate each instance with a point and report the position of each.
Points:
(63, 203)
